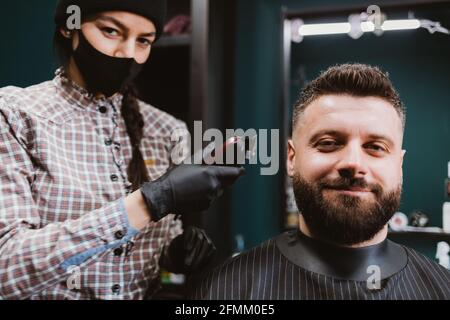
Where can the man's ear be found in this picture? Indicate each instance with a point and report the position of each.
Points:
(401, 163)
(290, 162)
(403, 157)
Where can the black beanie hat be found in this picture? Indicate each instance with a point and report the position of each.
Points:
(154, 10)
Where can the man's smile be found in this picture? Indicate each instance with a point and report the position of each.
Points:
(352, 191)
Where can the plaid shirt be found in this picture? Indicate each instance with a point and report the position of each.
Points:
(64, 231)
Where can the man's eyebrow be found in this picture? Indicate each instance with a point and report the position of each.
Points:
(375, 136)
(335, 133)
(324, 132)
(122, 26)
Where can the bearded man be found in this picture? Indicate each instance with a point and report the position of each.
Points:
(345, 158)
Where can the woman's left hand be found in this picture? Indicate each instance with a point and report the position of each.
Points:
(188, 253)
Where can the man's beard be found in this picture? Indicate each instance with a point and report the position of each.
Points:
(345, 220)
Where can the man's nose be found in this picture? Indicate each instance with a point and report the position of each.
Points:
(126, 50)
(351, 163)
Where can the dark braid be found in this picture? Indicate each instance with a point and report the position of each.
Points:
(134, 122)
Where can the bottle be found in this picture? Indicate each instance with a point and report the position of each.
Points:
(442, 254)
(446, 206)
(446, 217)
(240, 245)
(447, 183)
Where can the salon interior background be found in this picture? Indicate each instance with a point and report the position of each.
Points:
(419, 64)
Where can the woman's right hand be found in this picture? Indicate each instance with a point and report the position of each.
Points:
(188, 188)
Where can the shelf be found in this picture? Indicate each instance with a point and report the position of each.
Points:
(419, 235)
(174, 41)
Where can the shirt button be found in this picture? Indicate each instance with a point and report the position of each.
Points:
(130, 245)
(114, 178)
(108, 142)
(119, 234)
(102, 109)
(115, 288)
(118, 252)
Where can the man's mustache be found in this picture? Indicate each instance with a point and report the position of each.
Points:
(347, 183)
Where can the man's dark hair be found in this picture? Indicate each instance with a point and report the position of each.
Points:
(359, 80)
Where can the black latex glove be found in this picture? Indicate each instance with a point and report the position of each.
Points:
(188, 253)
(188, 188)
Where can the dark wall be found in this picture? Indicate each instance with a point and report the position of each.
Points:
(26, 33)
(256, 199)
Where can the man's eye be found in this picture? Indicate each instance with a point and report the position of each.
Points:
(327, 144)
(375, 147)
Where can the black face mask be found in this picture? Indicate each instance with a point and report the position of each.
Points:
(103, 73)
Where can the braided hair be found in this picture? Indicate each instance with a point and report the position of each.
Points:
(134, 122)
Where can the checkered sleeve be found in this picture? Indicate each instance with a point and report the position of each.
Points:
(34, 257)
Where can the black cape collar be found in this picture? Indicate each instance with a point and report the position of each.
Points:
(341, 262)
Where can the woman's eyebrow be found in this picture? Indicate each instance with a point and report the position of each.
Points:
(123, 27)
(150, 34)
(113, 20)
